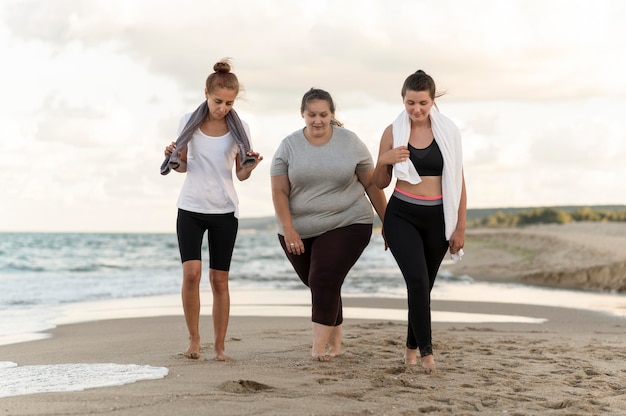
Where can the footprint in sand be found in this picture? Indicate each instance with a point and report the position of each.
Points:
(243, 386)
(395, 370)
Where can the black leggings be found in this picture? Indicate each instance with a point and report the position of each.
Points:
(323, 266)
(222, 233)
(416, 236)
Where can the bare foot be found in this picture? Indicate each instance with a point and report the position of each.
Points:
(321, 335)
(193, 352)
(410, 356)
(428, 364)
(334, 341)
(332, 353)
(220, 356)
(321, 357)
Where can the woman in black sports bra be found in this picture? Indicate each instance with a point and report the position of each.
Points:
(426, 213)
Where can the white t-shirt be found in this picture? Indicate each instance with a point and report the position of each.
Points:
(208, 186)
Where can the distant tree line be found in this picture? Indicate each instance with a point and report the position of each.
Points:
(498, 217)
(546, 216)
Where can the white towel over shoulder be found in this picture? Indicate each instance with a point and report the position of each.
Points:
(448, 138)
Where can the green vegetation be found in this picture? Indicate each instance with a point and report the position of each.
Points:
(547, 215)
(498, 217)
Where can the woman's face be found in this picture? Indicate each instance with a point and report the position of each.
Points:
(317, 116)
(418, 104)
(220, 101)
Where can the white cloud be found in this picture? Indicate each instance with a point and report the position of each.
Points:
(92, 92)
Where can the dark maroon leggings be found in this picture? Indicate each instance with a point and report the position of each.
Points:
(323, 266)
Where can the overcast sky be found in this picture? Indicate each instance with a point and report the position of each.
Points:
(92, 91)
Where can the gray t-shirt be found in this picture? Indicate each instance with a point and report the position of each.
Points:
(325, 192)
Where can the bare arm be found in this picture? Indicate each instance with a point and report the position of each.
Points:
(244, 173)
(457, 239)
(382, 171)
(376, 196)
(281, 189)
(374, 193)
(387, 157)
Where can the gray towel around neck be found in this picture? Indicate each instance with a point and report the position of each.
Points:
(197, 117)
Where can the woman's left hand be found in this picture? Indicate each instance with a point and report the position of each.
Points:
(244, 173)
(457, 241)
(257, 156)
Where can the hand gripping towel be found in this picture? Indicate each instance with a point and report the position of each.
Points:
(448, 138)
(197, 117)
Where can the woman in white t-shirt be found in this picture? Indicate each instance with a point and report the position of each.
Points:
(208, 202)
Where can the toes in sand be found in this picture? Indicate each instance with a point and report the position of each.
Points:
(192, 355)
(321, 357)
(220, 356)
(428, 364)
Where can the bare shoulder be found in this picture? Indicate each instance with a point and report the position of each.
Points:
(387, 138)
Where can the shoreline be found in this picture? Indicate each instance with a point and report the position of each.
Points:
(574, 360)
(263, 302)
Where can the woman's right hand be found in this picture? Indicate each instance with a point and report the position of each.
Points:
(382, 232)
(293, 242)
(395, 155)
(169, 149)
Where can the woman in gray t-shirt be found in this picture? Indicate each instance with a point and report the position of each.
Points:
(320, 177)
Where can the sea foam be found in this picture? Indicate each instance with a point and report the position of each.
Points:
(30, 379)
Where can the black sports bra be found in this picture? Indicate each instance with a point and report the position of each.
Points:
(428, 161)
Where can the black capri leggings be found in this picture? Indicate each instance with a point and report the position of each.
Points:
(324, 265)
(222, 232)
(416, 236)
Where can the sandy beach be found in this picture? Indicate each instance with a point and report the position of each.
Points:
(584, 255)
(573, 363)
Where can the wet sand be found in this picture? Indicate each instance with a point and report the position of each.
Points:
(574, 363)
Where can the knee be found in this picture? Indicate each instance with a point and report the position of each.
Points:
(219, 281)
(191, 275)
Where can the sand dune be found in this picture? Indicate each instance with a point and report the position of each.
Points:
(588, 255)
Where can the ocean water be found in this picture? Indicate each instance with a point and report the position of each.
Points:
(42, 275)
(58, 268)
(48, 279)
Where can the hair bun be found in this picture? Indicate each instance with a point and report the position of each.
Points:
(222, 66)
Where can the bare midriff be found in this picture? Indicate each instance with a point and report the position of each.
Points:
(430, 186)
